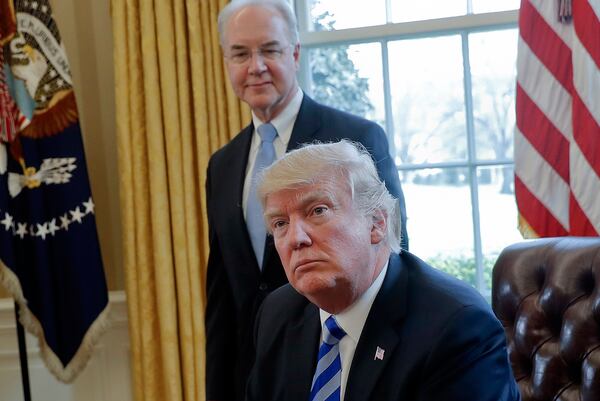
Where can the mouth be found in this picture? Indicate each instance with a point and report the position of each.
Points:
(258, 85)
(306, 264)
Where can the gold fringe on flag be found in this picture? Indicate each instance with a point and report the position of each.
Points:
(525, 229)
(63, 373)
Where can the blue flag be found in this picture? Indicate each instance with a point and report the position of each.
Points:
(49, 253)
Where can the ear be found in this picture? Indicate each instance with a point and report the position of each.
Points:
(296, 54)
(379, 227)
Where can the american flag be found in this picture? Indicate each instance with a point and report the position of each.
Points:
(557, 138)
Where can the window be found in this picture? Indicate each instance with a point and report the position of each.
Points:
(439, 76)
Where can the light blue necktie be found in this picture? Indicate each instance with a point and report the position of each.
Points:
(326, 385)
(254, 210)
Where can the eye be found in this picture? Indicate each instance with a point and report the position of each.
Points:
(319, 210)
(278, 224)
(240, 56)
(271, 53)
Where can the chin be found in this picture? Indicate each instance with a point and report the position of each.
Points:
(260, 102)
(312, 286)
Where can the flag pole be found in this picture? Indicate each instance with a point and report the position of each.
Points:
(23, 356)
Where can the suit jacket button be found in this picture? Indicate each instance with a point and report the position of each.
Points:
(263, 286)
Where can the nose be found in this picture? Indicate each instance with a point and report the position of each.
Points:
(298, 235)
(257, 63)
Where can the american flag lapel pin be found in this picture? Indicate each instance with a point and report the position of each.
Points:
(379, 354)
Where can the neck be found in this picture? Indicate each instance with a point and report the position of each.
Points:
(269, 113)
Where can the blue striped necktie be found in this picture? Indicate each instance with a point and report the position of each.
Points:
(254, 211)
(326, 385)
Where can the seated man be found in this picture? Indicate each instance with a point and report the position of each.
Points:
(360, 321)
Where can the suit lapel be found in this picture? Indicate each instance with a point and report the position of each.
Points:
(308, 122)
(234, 174)
(303, 343)
(380, 333)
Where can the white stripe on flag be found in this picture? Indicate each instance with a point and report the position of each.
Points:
(595, 4)
(586, 78)
(548, 10)
(585, 185)
(541, 179)
(544, 90)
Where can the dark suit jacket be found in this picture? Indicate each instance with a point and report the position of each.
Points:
(441, 342)
(235, 284)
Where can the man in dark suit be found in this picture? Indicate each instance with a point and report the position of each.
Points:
(261, 50)
(390, 326)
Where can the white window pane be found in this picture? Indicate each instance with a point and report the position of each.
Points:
(349, 78)
(493, 59)
(411, 10)
(487, 6)
(440, 219)
(498, 213)
(426, 77)
(328, 15)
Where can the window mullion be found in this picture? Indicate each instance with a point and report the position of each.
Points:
(471, 160)
(388, 11)
(387, 99)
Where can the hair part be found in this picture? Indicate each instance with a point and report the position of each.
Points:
(343, 160)
(283, 7)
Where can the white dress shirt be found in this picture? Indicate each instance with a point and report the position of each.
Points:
(352, 320)
(284, 124)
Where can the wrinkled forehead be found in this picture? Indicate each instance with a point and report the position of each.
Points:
(328, 191)
(256, 23)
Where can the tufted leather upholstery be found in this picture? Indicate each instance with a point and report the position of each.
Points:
(546, 293)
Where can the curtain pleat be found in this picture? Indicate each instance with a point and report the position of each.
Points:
(174, 108)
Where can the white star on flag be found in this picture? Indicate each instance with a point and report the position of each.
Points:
(64, 221)
(89, 206)
(42, 230)
(76, 215)
(7, 222)
(52, 228)
(21, 230)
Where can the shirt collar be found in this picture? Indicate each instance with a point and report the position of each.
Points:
(284, 122)
(353, 318)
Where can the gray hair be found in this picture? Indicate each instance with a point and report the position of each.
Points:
(283, 7)
(349, 161)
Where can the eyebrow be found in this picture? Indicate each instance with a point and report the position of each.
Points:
(262, 45)
(305, 199)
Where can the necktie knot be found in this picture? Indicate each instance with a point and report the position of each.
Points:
(332, 332)
(267, 132)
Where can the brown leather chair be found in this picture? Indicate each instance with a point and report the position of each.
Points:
(546, 293)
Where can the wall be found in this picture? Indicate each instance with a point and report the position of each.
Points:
(107, 376)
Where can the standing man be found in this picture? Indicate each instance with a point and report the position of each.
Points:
(260, 44)
(359, 321)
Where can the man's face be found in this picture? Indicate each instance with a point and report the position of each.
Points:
(327, 248)
(266, 81)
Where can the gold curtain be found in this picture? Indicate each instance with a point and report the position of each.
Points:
(173, 109)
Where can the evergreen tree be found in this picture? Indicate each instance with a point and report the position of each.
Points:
(335, 79)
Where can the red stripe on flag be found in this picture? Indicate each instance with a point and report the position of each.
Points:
(587, 27)
(586, 132)
(579, 223)
(542, 134)
(546, 44)
(536, 214)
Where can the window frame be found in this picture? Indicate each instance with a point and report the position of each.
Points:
(383, 34)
